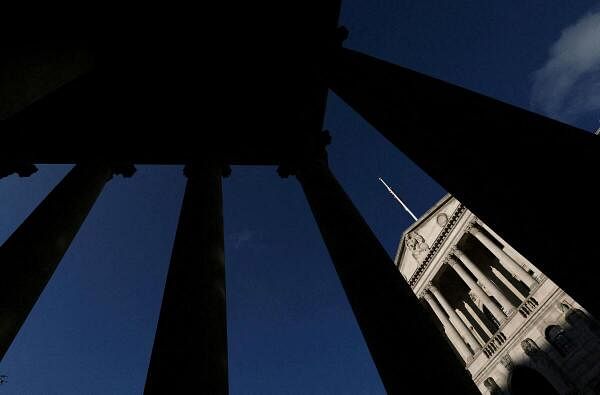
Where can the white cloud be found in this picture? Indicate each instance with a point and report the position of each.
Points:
(568, 85)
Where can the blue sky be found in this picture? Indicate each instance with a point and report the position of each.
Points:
(290, 328)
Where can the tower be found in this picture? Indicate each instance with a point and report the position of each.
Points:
(512, 327)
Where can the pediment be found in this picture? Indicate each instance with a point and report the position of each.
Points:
(420, 237)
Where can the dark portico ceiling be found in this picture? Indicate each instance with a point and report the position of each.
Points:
(166, 84)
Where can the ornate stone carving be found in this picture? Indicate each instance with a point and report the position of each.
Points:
(491, 385)
(427, 295)
(437, 244)
(442, 219)
(417, 245)
(473, 297)
(563, 307)
(451, 260)
(531, 348)
(472, 229)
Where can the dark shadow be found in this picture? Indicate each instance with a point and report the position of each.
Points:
(567, 360)
(527, 381)
(484, 315)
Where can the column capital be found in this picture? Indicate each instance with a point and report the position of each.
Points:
(473, 229)
(432, 288)
(451, 261)
(458, 253)
(124, 169)
(473, 296)
(310, 155)
(111, 168)
(22, 169)
(427, 295)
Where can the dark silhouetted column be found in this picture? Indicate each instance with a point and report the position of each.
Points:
(190, 347)
(31, 254)
(406, 347)
(530, 178)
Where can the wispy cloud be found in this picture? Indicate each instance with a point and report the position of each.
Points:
(568, 85)
(242, 237)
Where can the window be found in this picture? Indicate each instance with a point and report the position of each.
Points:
(559, 339)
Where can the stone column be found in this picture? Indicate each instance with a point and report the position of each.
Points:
(460, 326)
(392, 321)
(508, 284)
(473, 314)
(489, 303)
(190, 348)
(505, 260)
(30, 255)
(464, 317)
(449, 328)
(485, 281)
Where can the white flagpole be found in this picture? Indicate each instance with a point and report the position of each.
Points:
(398, 199)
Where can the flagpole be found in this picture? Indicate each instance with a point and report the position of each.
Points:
(399, 200)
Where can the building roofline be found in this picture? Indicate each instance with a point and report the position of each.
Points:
(414, 225)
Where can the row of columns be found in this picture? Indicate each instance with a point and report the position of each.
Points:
(505, 260)
(72, 199)
(190, 348)
(477, 290)
(483, 288)
(386, 310)
(455, 329)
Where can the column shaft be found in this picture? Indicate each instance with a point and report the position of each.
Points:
(505, 260)
(31, 254)
(395, 326)
(190, 347)
(491, 287)
(495, 310)
(460, 326)
(395, 100)
(484, 327)
(508, 284)
(449, 328)
(463, 317)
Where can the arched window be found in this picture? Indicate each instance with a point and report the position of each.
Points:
(559, 339)
(578, 319)
(491, 385)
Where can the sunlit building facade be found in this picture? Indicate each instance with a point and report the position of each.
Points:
(513, 329)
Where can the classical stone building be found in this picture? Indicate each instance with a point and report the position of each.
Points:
(515, 330)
